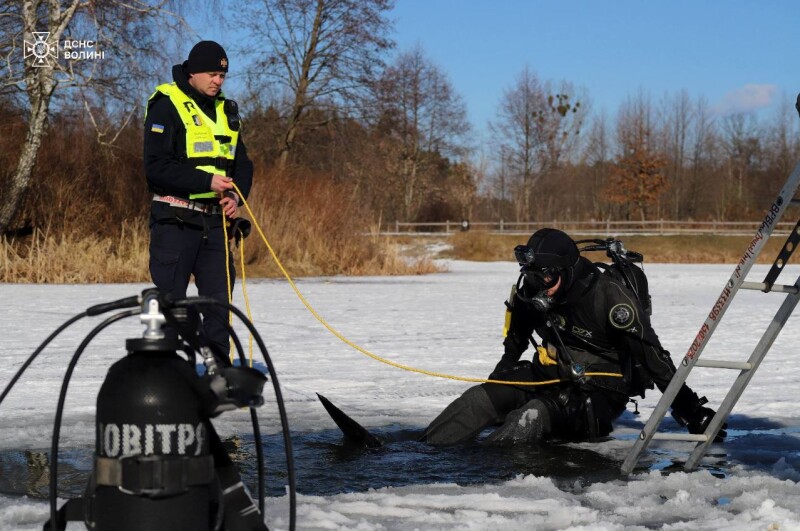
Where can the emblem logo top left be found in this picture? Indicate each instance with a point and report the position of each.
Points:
(41, 50)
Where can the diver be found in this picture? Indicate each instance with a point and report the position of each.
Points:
(597, 350)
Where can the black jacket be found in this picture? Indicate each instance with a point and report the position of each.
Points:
(167, 168)
(604, 327)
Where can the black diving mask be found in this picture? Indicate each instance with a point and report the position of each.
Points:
(540, 279)
(541, 276)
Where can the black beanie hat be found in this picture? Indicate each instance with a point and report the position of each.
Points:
(553, 248)
(207, 56)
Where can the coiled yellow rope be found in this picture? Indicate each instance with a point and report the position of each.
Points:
(366, 352)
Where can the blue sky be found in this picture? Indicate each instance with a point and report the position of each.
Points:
(740, 55)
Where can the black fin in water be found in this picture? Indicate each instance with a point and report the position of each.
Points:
(352, 430)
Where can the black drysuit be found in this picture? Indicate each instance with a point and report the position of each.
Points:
(602, 325)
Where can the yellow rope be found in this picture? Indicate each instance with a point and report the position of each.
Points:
(366, 352)
(244, 294)
(244, 285)
(228, 279)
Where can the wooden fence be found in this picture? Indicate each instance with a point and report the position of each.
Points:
(659, 227)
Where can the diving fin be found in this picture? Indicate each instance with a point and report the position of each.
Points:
(354, 432)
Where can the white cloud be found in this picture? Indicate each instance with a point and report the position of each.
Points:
(748, 98)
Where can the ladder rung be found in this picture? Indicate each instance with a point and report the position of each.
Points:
(696, 437)
(720, 364)
(761, 286)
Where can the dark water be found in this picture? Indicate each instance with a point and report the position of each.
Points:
(325, 466)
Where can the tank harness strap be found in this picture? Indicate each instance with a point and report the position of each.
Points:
(74, 510)
(154, 475)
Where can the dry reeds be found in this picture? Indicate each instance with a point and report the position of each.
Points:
(317, 227)
(314, 225)
(49, 256)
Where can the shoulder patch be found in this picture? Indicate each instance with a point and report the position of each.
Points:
(622, 315)
(156, 128)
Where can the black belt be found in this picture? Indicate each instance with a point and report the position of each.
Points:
(154, 475)
(205, 208)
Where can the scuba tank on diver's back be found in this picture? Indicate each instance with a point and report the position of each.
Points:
(626, 266)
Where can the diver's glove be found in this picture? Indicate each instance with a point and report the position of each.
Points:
(697, 418)
(505, 366)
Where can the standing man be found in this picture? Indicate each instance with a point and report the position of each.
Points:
(193, 153)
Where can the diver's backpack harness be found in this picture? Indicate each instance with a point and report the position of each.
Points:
(624, 267)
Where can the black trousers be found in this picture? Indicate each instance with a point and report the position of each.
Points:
(570, 412)
(179, 250)
(575, 412)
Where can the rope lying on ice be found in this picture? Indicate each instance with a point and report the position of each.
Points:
(366, 352)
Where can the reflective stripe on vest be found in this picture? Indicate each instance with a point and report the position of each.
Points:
(202, 133)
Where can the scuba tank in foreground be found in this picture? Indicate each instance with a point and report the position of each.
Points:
(152, 468)
(158, 462)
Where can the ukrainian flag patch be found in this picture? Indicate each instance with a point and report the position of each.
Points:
(156, 128)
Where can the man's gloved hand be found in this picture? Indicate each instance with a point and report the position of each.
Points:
(506, 366)
(697, 418)
(238, 229)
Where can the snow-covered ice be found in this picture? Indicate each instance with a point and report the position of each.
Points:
(446, 323)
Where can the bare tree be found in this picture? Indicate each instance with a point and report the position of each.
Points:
(318, 53)
(537, 128)
(418, 106)
(499, 190)
(677, 119)
(741, 139)
(782, 142)
(516, 133)
(461, 187)
(703, 156)
(559, 124)
(95, 51)
(598, 158)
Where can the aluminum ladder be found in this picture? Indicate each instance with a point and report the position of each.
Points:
(747, 369)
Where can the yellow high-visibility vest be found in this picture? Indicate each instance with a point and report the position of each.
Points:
(211, 144)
